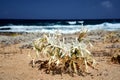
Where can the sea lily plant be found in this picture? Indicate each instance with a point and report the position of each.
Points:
(73, 57)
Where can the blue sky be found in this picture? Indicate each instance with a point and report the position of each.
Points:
(59, 9)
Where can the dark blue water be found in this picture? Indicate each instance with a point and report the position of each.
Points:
(64, 26)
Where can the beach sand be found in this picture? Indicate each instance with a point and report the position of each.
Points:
(14, 60)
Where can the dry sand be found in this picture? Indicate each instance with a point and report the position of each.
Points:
(14, 60)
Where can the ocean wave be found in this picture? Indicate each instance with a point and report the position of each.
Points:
(61, 28)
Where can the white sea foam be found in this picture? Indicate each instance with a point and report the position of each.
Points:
(72, 22)
(62, 28)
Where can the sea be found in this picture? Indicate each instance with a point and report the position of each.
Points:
(64, 26)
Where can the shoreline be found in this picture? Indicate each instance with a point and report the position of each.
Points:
(34, 35)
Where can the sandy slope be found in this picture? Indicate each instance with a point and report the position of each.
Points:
(14, 65)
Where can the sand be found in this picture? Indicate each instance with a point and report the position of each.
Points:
(14, 60)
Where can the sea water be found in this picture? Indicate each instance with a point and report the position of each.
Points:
(64, 27)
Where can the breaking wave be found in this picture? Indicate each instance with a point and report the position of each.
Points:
(71, 28)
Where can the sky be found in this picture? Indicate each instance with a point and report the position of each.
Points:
(59, 9)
